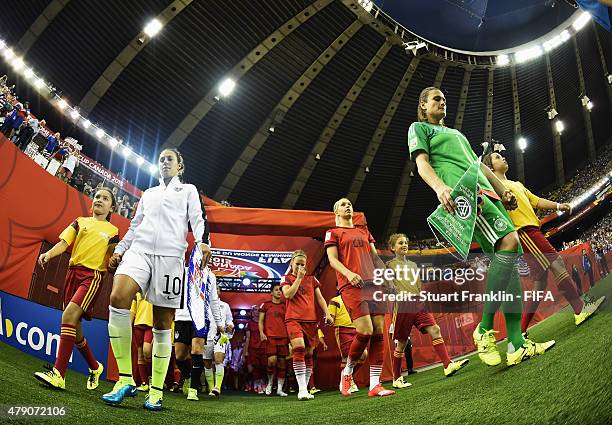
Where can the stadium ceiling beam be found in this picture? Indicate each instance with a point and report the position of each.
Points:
(201, 109)
(602, 58)
(40, 25)
(381, 129)
(332, 125)
(518, 154)
(488, 133)
(463, 98)
(401, 193)
(557, 148)
(586, 115)
(281, 109)
(127, 55)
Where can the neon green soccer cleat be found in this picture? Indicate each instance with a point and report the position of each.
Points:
(453, 367)
(590, 307)
(487, 349)
(52, 378)
(529, 349)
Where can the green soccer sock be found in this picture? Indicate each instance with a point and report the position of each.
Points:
(219, 373)
(501, 268)
(513, 310)
(120, 335)
(162, 349)
(210, 378)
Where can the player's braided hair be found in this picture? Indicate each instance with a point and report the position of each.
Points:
(394, 237)
(423, 97)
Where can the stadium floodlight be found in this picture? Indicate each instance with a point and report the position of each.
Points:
(565, 35)
(584, 99)
(2, 44)
(559, 126)
(18, 64)
(246, 281)
(240, 325)
(28, 73)
(9, 54)
(39, 84)
(62, 104)
(152, 168)
(609, 77)
(528, 54)
(113, 142)
(581, 21)
(74, 114)
(503, 60)
(153, 27)
(243, 313)
(226, 87)
(589, 105)
(552, 43)
(126, 152)
(86, 124)
(522, 144)
(551, 113)
(99, 133)
(366, 4)
(140, 160)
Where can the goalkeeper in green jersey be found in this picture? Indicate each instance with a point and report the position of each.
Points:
(442, 156)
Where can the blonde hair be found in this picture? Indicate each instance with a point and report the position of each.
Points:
(394, 238)
(336, 207)
(298, 253)
(423, 97)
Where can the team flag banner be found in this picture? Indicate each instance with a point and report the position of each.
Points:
(458, 228)
(198, 293)
(255, 264)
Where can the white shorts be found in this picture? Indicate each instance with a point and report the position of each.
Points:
(211, 348)
(161, 279)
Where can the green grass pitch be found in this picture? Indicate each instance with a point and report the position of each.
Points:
(571, 384)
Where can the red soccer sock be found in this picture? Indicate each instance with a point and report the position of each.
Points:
(568, 290)
(398, 356)
(143, 373)
(85, 351)
(66, 342)
(359, 344)
(440, 347)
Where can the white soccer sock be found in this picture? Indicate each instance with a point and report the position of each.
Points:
(299, 368)
(375, 372)
(210, 378)
(308, 374)
(120, 334)
(281, 384)
(348, 368)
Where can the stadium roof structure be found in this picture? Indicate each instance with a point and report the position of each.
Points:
(325, 93)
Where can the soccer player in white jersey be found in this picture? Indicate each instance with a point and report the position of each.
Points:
(215, 348)
(187, 341)
(150, 260)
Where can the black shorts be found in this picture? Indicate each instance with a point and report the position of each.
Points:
(184, 332)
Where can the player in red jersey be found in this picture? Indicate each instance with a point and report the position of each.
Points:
(273, 333)
(300, 290)
(254, 352)
(352, 254)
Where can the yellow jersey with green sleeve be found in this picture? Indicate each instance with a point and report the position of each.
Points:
(450, 153)
(94, 241)
(406, 275)
(524, 215)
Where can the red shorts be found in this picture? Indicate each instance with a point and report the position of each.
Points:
(539, 253)
(82, 287)
(360, 302)
(257, 357)
(277, 346)
(306, 330)
(403, 323)
(344, 339)
(142, 334)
